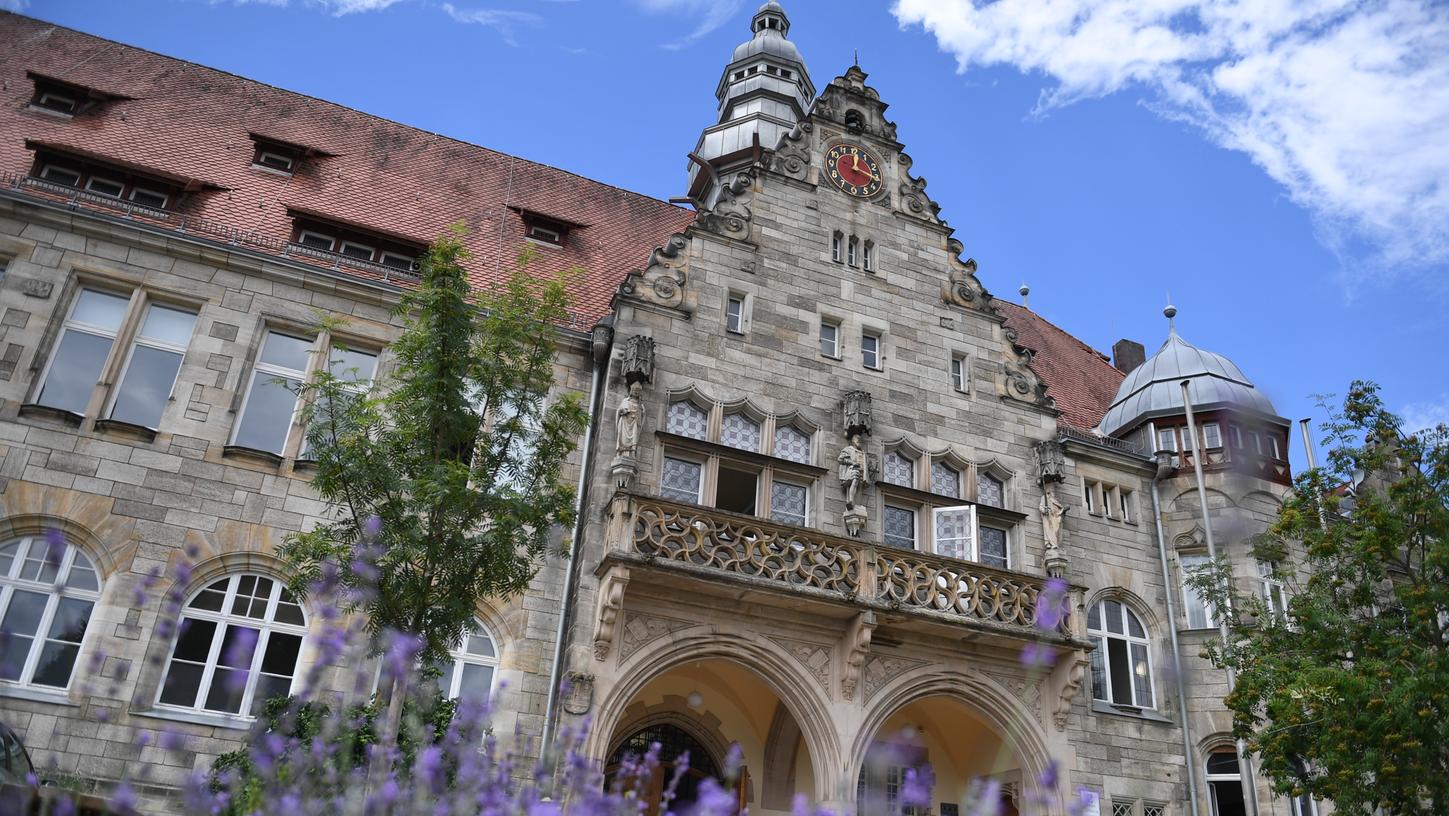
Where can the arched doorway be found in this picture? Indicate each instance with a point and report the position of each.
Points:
(706, 707)
(676, 747)
(947, 746)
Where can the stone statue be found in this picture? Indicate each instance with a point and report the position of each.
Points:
(626, 421)
(1051, 519)
(854, 470)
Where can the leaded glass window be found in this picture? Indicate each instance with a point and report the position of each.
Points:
(990, 490)
(900, 527)
(687, 419)
(47, 592)
(739, 431)
(993, 547)
(954, 528)
(792, 443)
(681, 480)
(945, 480)
(899, 469)
(788, 503)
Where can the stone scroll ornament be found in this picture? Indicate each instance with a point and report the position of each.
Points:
(854, 463)
(792, 153)
(663, 281)
(730, 216)
(961, 287)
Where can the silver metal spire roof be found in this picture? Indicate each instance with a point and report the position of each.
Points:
(1154, 388)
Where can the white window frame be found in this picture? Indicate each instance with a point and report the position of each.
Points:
(135, 191)
(852, 251)
(139, 339)
(224, 620)
(804, 522)
(328, 343)
(48, 95)
(1212, 435)
(371, 251)
(1089, 497)
(1210, 778)
(1275, 592)
(71, 324)
(837, 248)
(1167, 447)
(264, 154)
(834, 342)
(55, 591)
(275, 371)
(407, 262)
(1275, 446)
(1099, 636)
(867, 255)
(971, 551)
(958, 373)
(91, 182)
(1191, 601)
(543, 236)
(1125, 500)
(870, 349)
(45, 173)
(304, 234)
(459, 658)
(735, 314)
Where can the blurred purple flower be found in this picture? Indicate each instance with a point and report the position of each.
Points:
(1051, 605)
(1037, 655)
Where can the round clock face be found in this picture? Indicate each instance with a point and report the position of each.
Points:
(854, 170)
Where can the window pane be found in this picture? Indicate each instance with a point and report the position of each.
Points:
(74, 371)
(953, 532)
(477, 682)
(183, 681)
(479, 644)
(286, 351)
(993, 547)
(99, 309)
(989, 490)
(147, 386)
(238, 644)
(945, 480)
(57, 660)
(1099, 669)
(168, 325)
(899, 470)
(14, 649)
(194, 641)
(23, 616)
(687, 419)
(267, 688)
(82, 574)
(736, 490)
(69, 622)
(353, 366)
(680, 480)
(281, 655)
(268, 413)
(42, 561)
(739, 431)
(792, 444)
(900, 527)
(7, 557)
(1121, 671)
(1194, 605)
(828, 345)
(1141, 676)
(227, 688)
(1134, 626)
(210, 598)
(1112, 611)
(1212, 437)
(787, 503)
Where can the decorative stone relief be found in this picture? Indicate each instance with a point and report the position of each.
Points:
(792, 154)
(855, 648)
(35, 287)
(912, 194)
(640, 630)
(881, 669)
(662, 282)
(579, 696)
(855, 407)
(961, 287)
(1051, 461)
(606, 616)
(1019, 381)
(1027, 691)
(1063, 708)
(730, 216)
(637, 363)
(849, 102)
(813, 656)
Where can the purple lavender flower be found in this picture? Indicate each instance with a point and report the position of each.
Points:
(1037, 655)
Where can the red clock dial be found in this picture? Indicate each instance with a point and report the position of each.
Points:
(853, 170)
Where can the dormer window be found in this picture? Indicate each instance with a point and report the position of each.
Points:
(62, 98)
(107, 182)
(543, 235)
(546, 229)
(339, 241)
(56, 101)
(280, 156)
(68, 176)
(106, 186)
(283, 161)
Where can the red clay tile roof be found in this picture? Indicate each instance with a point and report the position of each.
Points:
(187, 121)
(1080, 378)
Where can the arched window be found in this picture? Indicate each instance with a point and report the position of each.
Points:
(47, 592)
(792, 443)
(237, 646)
(900, 469)
(1225, 783)
(945, 480)
(739, 431)
(687, 419)
(1121, 663)
(474, 666)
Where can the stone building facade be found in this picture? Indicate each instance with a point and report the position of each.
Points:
(827, 480)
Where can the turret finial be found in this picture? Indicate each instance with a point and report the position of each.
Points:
(1024, 290)
(1170, 312)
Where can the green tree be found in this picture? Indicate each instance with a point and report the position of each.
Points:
(446, 476)
(1346, 696)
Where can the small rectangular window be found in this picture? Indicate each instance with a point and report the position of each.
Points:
(870, 350)
(852, 250)
(1273, 592)
(1126, 505)
(149, 198)
(396, 261)
(544, 235)
(362, 252)
(1167, 439)
(1237, 435)
(958, 373)
(735, 314)
(1089, 494)
(1195, 607)
(270, 406)
(80, 356)
(681, 480)
(54, 101)
(837, 251)
(1110, 501)
(830, 339)
(993, 547)
(1212, 435)
(736, 490)
(105, 186)
(1273, 443)
(275, 160)
(867, 256)
(900, 527)
(789, 503)
(150, 373)
(315, 240)
(61, 175)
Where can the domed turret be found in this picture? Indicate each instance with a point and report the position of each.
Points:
(764, 91)
(1154, 389)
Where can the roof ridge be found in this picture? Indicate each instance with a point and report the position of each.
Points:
(337, 105)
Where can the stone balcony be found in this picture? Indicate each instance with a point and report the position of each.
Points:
(669, 549)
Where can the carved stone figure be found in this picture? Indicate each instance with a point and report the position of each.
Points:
(854, 470)
(626, 421)
(1051, 518)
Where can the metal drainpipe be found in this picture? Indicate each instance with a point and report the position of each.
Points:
(1245, 768)
(601, 347)
(1164, 467)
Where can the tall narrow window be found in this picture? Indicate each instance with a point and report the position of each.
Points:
(1225, 783)
(899, 469)
(1121, 665)
(1194, 606)
(1273, 592)
(830, 339)
(900, 527)
(990, 490)
(735, 314)
(1212, 435)
(867, 256)
(837, 246)
(1167, 441)
(955, 528)
(1089, 496)
(789, 503)
(945, 480)
(270, 406)
(1126, 499)
(870, 350)
(237, 646)
(155, 359)
(1275, 446)
(47, 593)
(473, 665)
(993, 547)
(958, 373)
(852, 251)
(75, 366)
(681, 480)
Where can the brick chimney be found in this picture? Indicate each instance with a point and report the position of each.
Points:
(1127, 355)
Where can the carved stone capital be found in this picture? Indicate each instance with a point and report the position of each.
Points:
(854, 649)
(610, 604)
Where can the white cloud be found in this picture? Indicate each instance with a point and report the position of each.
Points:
(1420, 416)
(341, 7)
(707, 14)
(503, 21)
(12, 5)
(1344, 103)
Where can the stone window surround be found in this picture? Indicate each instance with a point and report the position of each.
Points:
(55, 593)
(923, 501)
(319, 355)
(960, 384)
(1188, 595)
(1150, 639)
(140, 297)
(1109, 500)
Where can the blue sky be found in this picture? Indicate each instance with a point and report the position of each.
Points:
(1283, 174)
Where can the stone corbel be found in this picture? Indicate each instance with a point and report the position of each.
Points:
(854, 649)
(610, 603)
(663, 281)
(1067, 676)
